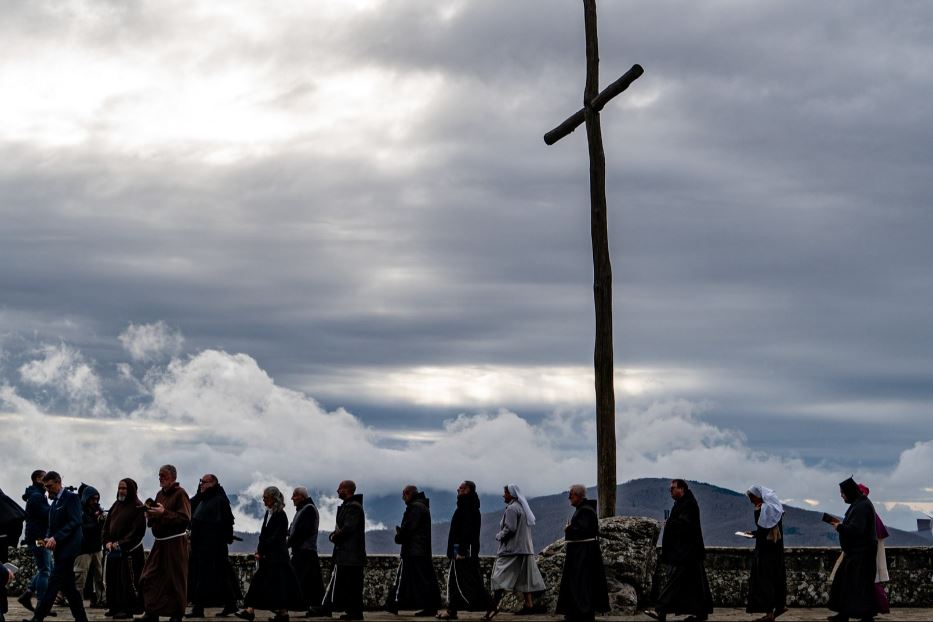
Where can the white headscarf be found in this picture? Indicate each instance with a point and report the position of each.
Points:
(515, 492)
(771, 507)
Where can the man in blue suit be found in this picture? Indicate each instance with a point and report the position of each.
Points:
(64, 540)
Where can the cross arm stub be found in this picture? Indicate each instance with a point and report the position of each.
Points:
(597, 104)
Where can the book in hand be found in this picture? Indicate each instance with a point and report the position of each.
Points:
(10, 567)
(744, 534)
(829, 518)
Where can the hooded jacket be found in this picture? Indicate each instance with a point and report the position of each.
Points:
(211, 519)
(350, 536)
(37, 512)
(465, 527)
(414, 534)
(682, 540)
(92, 521)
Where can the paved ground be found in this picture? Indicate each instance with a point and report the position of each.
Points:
(17, 613)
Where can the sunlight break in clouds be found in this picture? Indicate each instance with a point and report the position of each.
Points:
(209, 110)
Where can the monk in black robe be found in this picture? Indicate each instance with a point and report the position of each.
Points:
(686, 587)
(164, 580)
(211, 579)
(583, 589)
(466, 587)
(852, 593)
(122, 536)
(415, 585)
(767, 581)
(345, 588)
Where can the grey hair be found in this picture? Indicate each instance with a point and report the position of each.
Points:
(278, 500)
(579, 489)
(171, 469)
(301, 491)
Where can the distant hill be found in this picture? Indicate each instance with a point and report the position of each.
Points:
(722, 513)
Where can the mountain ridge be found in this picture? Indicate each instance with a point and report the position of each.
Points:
(722, 513)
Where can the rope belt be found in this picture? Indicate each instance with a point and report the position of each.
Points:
(177, 535)
(587, 540)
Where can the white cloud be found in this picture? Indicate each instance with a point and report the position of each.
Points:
(146, 342)
(222, 413)
(63, 370)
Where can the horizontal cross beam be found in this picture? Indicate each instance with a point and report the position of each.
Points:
(597, 104)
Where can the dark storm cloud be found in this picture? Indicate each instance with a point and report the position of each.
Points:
(768, 190)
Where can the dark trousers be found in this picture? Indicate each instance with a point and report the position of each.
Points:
(345, 590)
(62, 580)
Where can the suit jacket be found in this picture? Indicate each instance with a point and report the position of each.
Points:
(65, 525)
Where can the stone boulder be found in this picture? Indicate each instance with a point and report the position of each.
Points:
(629, 548)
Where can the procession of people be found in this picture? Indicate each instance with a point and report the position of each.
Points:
(79, 547)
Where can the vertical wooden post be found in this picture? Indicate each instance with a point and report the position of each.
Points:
(602, 278)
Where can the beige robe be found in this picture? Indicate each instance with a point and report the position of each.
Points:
(164, 580)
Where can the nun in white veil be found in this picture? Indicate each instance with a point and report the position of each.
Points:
(515, 568)
(767, 583)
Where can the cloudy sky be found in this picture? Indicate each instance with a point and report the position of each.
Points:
(292, 242)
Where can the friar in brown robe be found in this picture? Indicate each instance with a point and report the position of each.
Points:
(164, 581)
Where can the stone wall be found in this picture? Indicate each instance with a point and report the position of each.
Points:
(808, 569)
(911, 572)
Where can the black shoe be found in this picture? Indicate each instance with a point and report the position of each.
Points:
(25, 599)
(243, 614)
(175, 619)
(196, 612)
(146, 618)
(316, 612)
(279, 617)
(356, 615)
(426, 613)
(226, 612)
(525, 611)
(52, 614)
(123, 615)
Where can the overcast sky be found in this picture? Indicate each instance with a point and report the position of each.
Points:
(298, 241)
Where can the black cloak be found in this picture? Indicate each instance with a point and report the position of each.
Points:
(466, 586)
(853, 589)
(583, 589)
(767, 582)
(211, 579)
(415, 585)
(686, 587)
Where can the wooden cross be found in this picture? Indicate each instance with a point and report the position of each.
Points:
(593, 102)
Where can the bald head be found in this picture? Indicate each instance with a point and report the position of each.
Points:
(346, 489)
